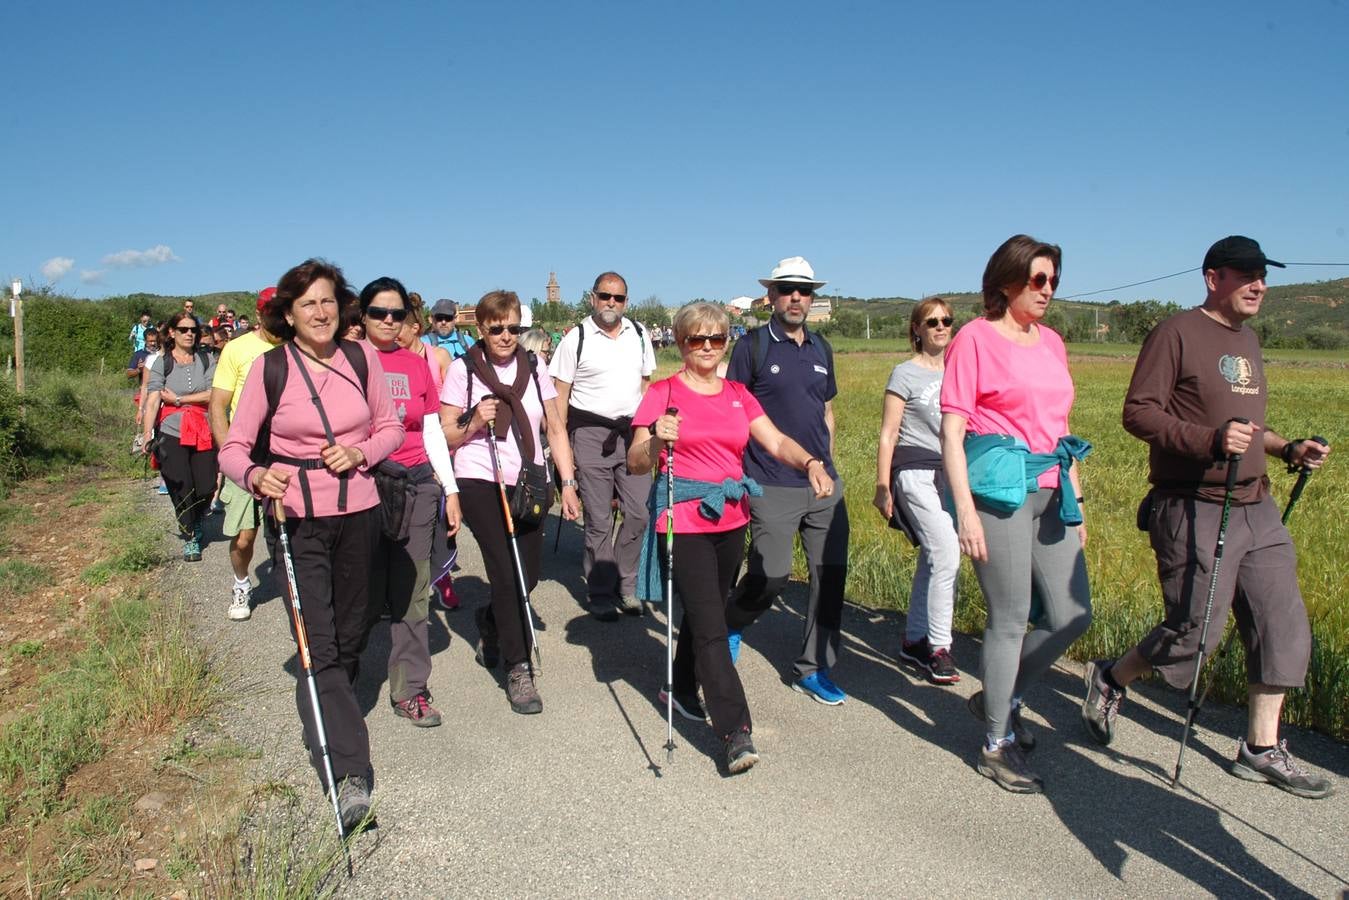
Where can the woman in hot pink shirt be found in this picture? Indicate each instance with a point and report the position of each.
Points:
(1007, 374)
(714, 421)
(331, 503)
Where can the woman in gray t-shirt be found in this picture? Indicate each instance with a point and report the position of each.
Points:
(909, 488)
(176, 398)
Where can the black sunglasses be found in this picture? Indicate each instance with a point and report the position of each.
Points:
(934, 321)
(190, 329)
(381, 313)
(1038, 280)
(617, 298)
(715, 341)
(785, 289)
(497, 329)
(443, 318)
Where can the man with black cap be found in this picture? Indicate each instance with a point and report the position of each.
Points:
(444, 333)
(1198, 398)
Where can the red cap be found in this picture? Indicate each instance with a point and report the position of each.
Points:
(265, 296)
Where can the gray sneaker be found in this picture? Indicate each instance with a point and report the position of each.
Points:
(1277, 767)
(629, 606)
(1009, 767)
(1025, 738)
(521, 692)
(1102, 703)
(353, 801)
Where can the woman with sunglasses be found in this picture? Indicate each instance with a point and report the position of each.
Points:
(1007, 375)
(910, 486)
(329, 496)
(178, 390)
(495, 384)
(400, 575)
(712, 422)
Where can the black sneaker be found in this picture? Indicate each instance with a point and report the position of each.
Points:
(521, 692)
(686, 705)
(1102, 703)
(1277, 767)
(740, 753)
(1009, 767)
(488, 653)
(941, 668)
(916, 653)
(1025, 738)
(353, 802)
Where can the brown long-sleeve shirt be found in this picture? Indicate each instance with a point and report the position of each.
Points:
(1194, 374)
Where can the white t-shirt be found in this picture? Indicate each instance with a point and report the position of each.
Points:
(608, 379)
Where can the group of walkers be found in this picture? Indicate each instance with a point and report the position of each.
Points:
(376, 449)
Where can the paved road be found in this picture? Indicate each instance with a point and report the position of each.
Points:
(877, 797)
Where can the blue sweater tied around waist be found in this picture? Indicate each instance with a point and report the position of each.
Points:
(712, 497)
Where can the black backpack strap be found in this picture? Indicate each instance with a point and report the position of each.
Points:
(327, 433)
(167, 356)
(641, 339)
(760, 353)
(580, 340)
(356, 357)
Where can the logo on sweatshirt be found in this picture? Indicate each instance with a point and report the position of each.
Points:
(1239, 373)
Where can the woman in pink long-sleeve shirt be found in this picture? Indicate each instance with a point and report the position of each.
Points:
(330, 499)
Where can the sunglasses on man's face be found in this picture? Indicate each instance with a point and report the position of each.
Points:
(617, 298)
(934, 322)
(1039, 279)
(384, 313)
(443, 318)
(785, 289)
(495, 330)
(715, 341)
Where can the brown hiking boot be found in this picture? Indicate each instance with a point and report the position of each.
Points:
(521, 692)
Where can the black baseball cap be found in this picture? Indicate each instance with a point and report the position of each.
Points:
(1240, 253)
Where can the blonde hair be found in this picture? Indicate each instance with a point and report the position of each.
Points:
(536, 340)
(921, 312)
(700, 312)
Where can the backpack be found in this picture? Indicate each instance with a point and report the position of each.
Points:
(203, 357)
(275, 372)
(760, 336)
(581, 339)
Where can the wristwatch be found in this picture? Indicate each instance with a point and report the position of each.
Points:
(569, 482)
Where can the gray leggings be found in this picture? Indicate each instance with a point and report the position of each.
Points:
(1031, 554)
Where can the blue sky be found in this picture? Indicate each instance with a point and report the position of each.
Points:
(463, 147)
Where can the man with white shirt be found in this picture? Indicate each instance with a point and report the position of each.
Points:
(601, 369)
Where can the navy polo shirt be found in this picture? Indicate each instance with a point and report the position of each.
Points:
(793, 386)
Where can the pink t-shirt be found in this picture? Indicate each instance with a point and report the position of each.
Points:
(713, 432)
(472, 459)
(414, 396)
(1002, 387)
(369, 424)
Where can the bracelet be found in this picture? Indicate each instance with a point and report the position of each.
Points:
(569, 482)
(1286, 454)
(806, 467)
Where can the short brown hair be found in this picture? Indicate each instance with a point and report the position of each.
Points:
(699, 312)
(496, 306)
(292, 286)
(921, 311)
(1010, 264)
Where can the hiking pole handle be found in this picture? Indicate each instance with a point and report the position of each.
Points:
(1233, 458)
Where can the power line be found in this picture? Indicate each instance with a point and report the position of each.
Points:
(1177, 274)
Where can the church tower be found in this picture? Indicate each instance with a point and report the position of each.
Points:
(554, 292)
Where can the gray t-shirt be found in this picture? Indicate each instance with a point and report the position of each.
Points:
(183, 380)
(920, 389)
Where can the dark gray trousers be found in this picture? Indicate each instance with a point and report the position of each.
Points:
(611, 551)
(400, 580)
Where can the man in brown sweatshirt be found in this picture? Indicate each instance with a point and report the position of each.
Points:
(1197, 398)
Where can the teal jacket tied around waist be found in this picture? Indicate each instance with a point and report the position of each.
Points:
(1003, 471)
(712, 496)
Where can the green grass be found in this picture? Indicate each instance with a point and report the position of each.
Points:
(19, 578)
(1303, 400)
(136, 537)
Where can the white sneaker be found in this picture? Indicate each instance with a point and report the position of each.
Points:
(240, 610)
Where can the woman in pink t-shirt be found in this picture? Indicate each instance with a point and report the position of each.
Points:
(714, 421)
(1007, 374)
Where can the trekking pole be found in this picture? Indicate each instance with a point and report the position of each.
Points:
(306, 665)
(537, 663)
(1193, 706)
(669, 598)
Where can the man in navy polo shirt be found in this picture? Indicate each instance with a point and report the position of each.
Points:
(790, 370)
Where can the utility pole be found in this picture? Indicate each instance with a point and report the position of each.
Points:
(16, 310)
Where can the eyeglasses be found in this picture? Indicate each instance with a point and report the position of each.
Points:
(934, 322)
(443, 318)
(495, 330)
(715, 341)
(1039, 279)
(617, 298)
(383, 313)
(190, 329)
(786, 288)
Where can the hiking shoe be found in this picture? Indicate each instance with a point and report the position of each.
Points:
(353, 802)
(521, 692)
(217, 508)
(192, 550)
(1277, 767)
(442, 592)
(629, 606)
(687, 705)
(1009, 767)
(916, 653)
(240, 610)
(818, 687)
(740, 752)
(488, 654)
(941, 668)
(162, 490)
(733, 641)
(1101, 705)
(1025, 738)
(603, 610)
(419, 710)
